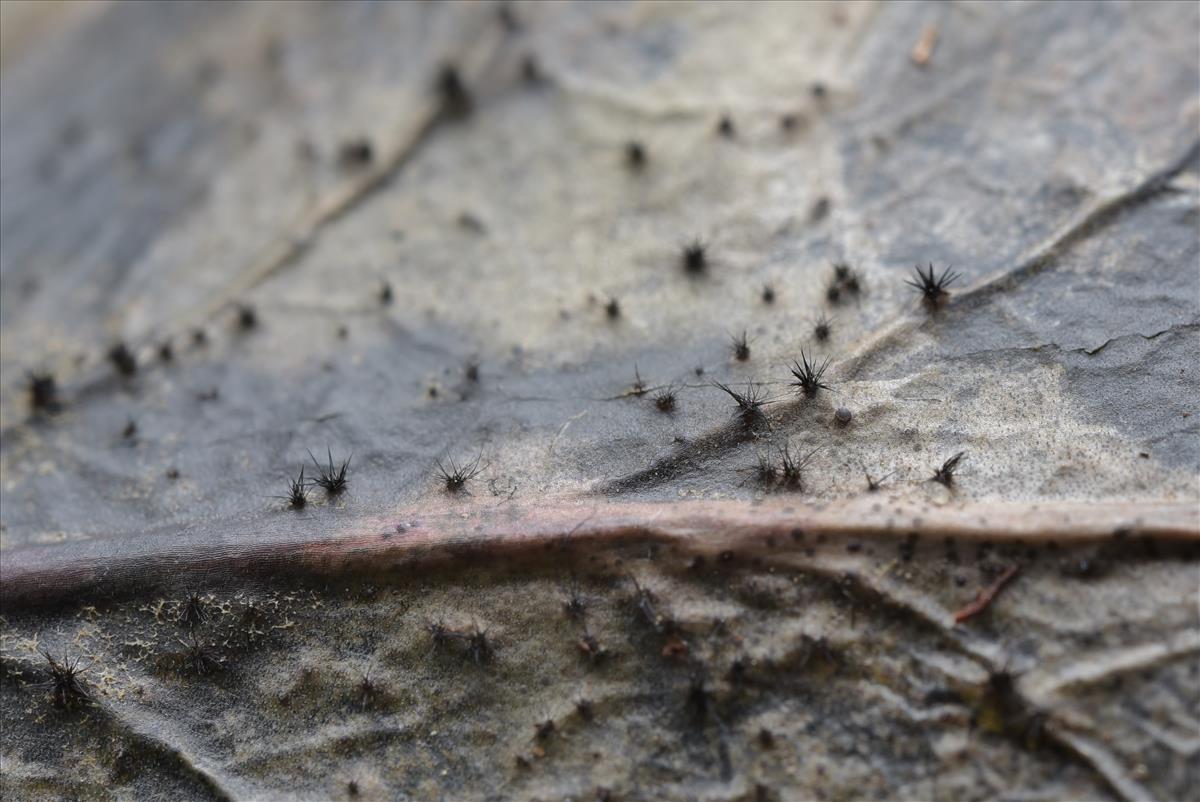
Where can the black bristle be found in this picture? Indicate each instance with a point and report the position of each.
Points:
(741, 347)
(297, 495)
(665, 400)
(823, 328)
(194, 612)
(66, 684)
(749, 404)
(332, 480)
(932, 287)
(791, 468)
(455, 479)
(945, 474)
(809, 375)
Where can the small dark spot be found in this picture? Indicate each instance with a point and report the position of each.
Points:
(131, 429)
(456, 100)
(507, 18)
(768, 294)
(820, 210)
(43, 392)
(789, 122)
(342, 331)
(165, 352)
(725, 127)
(766, 738)
(613, 308)
(385, 293)
(352, 788)
(842, 416)
(695, 257)
(355, 153)
(531, 71)
(247, 317)
(122, 359)
(696, 563)
(854, 548)
(635, 156)
(172, 473)
(199, 337)
(585, 708)
(908, 547)
(544, 729)
(471, 223)
(823, 328)
(797, 535)
(472, 371)
(818, 90)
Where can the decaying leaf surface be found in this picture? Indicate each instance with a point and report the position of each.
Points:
(619, 570)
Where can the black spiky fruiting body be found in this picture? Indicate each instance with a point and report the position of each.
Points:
(791, 468)
(945, 474)
(66, 684)
(456, 477)
(665, 400)
(741, 347)
(330, 479)
(749, 404)
(200, 660)
(809, 375)
(931, 286)
(823, 328)
(194, 611)
(297, 495)
(765, 471)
